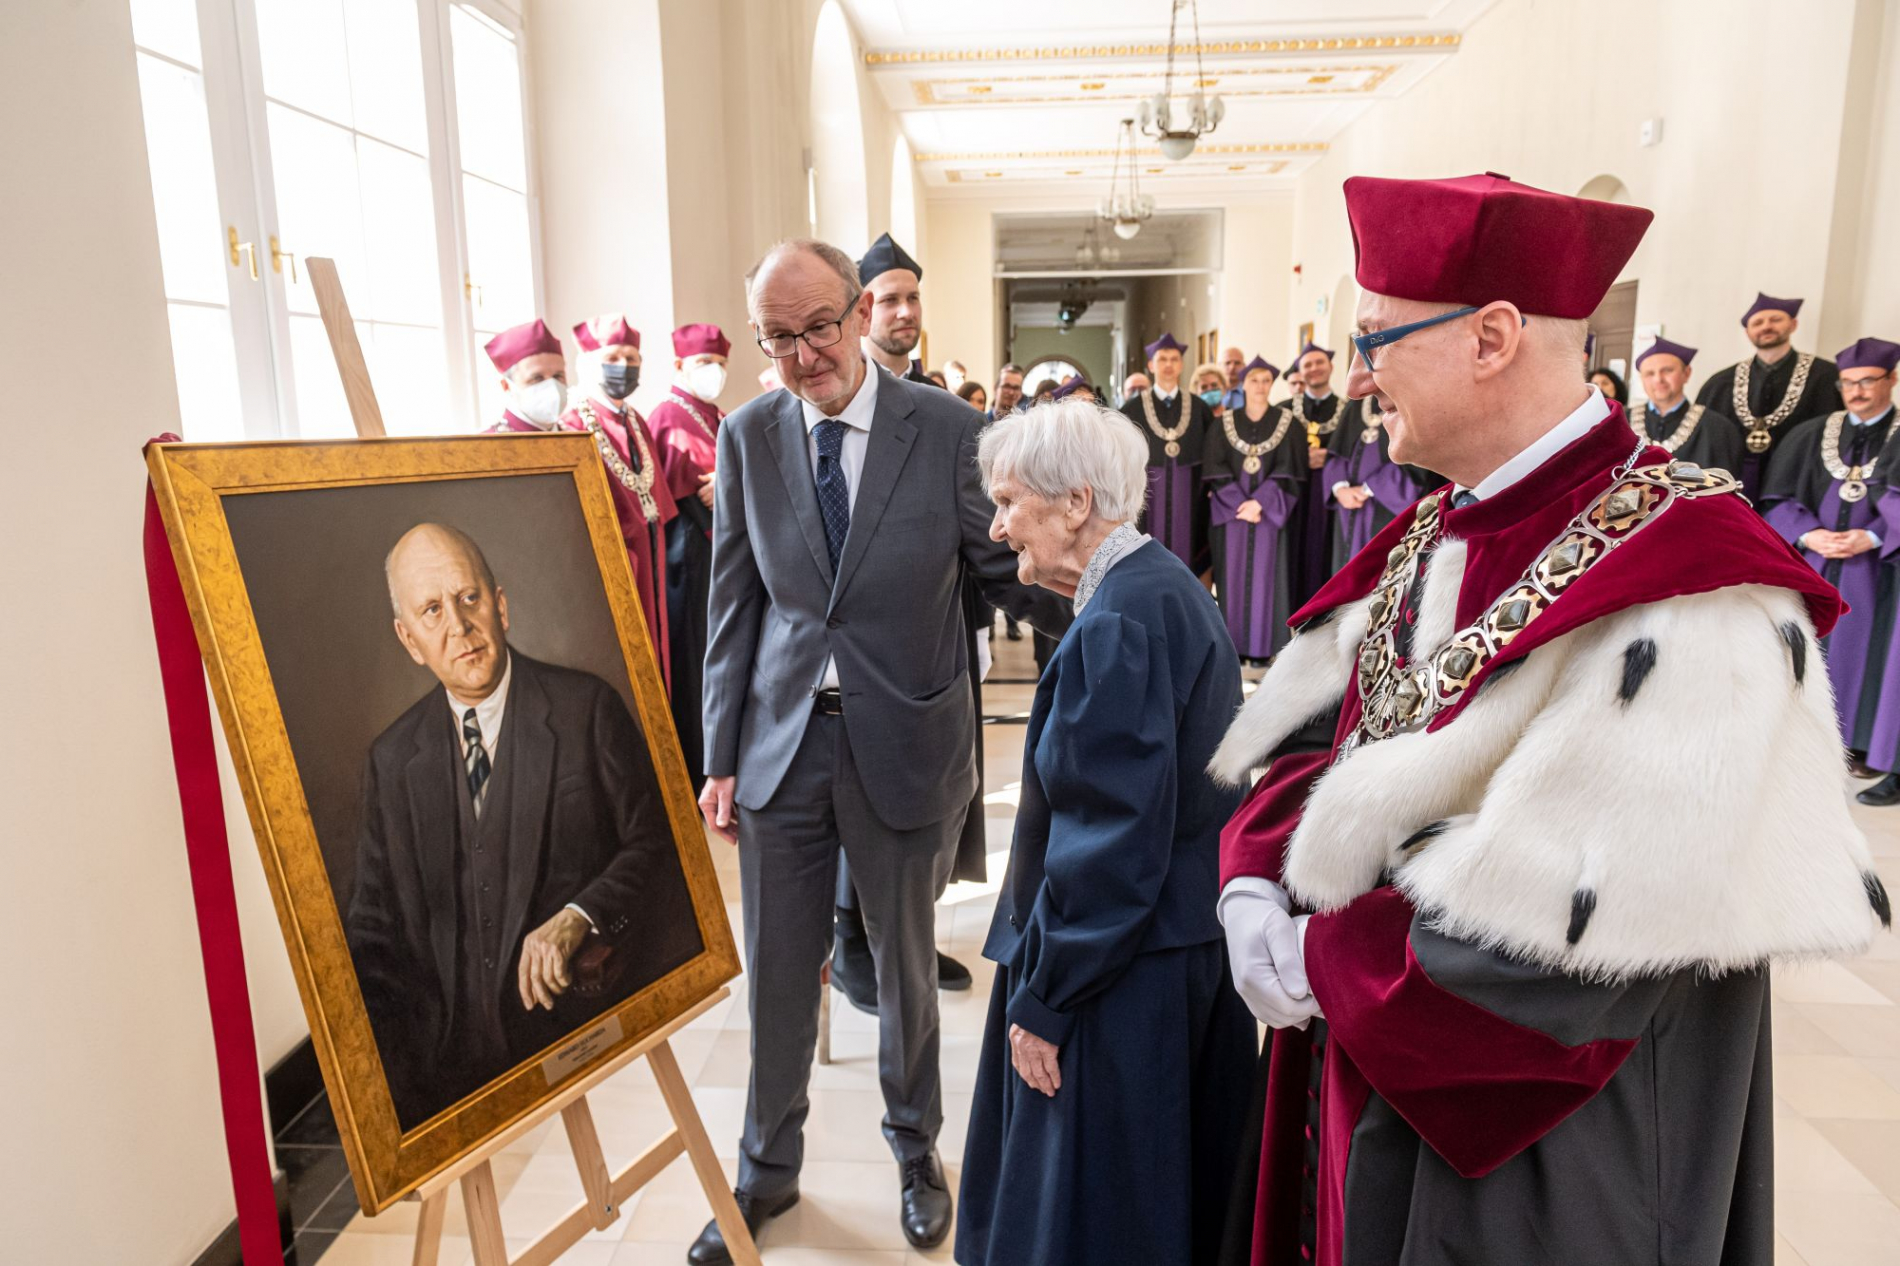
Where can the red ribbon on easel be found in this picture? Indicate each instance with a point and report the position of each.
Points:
(208, 850)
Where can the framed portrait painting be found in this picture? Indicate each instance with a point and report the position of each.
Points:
(454, 745)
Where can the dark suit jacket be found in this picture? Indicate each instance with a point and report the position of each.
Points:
(892, 614)
(586, 825)
(1117, 848)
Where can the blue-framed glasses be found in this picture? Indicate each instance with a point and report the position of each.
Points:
(1366, 344)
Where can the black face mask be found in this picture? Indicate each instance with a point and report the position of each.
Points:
(619, 381)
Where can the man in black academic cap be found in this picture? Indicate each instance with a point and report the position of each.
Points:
(1775, 385)
(897, 308)
(894, 279)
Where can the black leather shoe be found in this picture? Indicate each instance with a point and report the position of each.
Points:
(852, 970)
(1012, 629)
(925, 1211)
(1857, 767)
(951, 974)
(1883, 793)
(710, 1248)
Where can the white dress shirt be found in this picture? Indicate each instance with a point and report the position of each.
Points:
(857, 417)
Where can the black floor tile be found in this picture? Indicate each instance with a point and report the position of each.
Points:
(315, 1174)
(308, 1247)
(314, 1126)
(337, 1211)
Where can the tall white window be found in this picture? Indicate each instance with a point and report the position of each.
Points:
(387, 135)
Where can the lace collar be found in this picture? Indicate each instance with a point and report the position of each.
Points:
(1116, 546)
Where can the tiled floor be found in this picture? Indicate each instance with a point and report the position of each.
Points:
(1837, 1054)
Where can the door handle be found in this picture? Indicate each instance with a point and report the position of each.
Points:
(277, 258)
(248, 249)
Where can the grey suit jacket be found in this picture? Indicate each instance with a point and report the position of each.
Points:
(891, 615)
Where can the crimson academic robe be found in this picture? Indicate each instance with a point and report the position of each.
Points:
(627, 451)
(685, 433)
(1543, 974)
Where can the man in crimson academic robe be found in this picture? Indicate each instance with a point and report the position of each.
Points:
(610, 370)
(1774, 387)
(1175, 424)
(685, 428)
(1513, 945)
(533, 371)
(1701, 433)
(1315, 411)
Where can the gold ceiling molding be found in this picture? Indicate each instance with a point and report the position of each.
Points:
(1273, 167)
(1314, 80)
(1208, 48)
(1058, 155)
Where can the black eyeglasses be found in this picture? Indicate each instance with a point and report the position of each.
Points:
(1366, 344)
(1848, 384)
(824, 334)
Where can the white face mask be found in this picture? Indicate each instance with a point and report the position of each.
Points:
(706, 380)
(541, 403)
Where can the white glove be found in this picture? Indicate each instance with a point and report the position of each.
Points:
(983, 656)
(1265, 949)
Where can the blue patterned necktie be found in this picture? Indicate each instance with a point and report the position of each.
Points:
(475, 759)
(834, 490)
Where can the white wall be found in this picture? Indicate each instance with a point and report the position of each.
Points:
(117, 1153)
(960, 306)
(1875, 256)
(1752, 97)
(1257, 278)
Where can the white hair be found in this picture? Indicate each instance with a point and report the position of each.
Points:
(1067, 445)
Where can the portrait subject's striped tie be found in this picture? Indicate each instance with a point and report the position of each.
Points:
(476, 760)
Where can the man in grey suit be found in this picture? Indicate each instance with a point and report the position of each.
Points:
(837, 704)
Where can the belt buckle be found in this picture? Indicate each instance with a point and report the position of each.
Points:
(828, 703)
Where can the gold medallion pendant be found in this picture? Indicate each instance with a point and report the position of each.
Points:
(1853, 479)
(1853, 490)
(1172, 449)
(1759, 441)
(1251, 465)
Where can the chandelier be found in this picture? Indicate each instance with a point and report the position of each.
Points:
(1204, 113)
(1126, 208)
(1094, 253)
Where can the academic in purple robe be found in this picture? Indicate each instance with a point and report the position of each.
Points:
(1252, 564)
(1358, 462)
(1176, 511)
(1800, 495)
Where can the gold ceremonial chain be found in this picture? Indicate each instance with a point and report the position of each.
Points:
(1171, 435)
(1855, 479)
(1313, 429)
(639, 482)
(1639, 423)
(1395, 699)
(686, 404)
(1254, 452)
(1759, 439)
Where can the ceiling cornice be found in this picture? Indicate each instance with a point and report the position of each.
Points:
(1437, 41)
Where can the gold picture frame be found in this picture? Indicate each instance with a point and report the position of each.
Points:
(193, 484)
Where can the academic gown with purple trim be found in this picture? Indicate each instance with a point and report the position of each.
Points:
(1883, 741)
(1357, 463)
(1176, 510)
(645, 539)
(1313, 526)
(1252, 564)
(1799, 496)
(1767, 388)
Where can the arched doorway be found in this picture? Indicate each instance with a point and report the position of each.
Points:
(903, 224)
(1605, 188)
(837, 135)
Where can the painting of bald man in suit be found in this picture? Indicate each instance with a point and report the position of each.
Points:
(460, 767)
(514, 875)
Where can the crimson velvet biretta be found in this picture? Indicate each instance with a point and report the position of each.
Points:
(1768, 303)
(700, 340)
(1869, 353)
(510, 347)
(1473, 240)
(607, 330)
(1663, 347)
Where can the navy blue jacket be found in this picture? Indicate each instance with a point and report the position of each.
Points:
(1117, 847)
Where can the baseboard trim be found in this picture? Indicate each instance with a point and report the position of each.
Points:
(291, 1084)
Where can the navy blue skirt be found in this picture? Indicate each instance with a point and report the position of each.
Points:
(1133, 1159)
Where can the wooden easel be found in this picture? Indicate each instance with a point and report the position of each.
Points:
(606, 1193)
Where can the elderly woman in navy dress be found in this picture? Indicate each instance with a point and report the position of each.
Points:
(1105, 1126)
